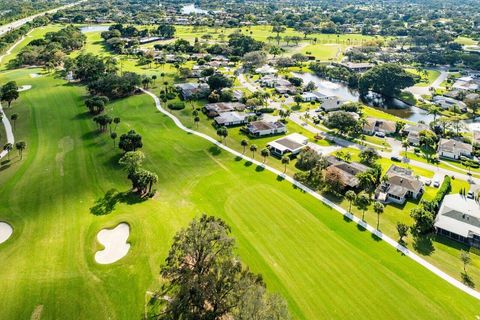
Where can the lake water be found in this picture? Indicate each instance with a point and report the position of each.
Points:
(188, 9)
(94, 28)
(391, 106)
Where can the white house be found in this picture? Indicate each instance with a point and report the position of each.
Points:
(231, 119)
(264, 128)
(454, 149)
(266, 69)
(292, 143)
(400, 185)
(459, 219)
(446, 102)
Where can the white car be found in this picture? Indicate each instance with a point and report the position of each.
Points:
(470, 194)
(436, 183)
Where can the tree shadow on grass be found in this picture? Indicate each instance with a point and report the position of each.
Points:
(214, 150)
(108, 202)
(423, 244)
(248, 163)
(361, 227)
(238, 158)
(82, 116)
(376, 237)
(260, 168)
(280, 178)
(5, 166)
(467, 280)
(90, 135)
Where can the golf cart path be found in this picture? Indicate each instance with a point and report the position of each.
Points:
(329, 203)
(8, 130)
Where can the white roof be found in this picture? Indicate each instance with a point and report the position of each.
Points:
(459, 215)
(266, 69)
(292, 142)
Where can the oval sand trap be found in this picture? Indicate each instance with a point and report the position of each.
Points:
(115, 243)
(24, 88)
(6, 231)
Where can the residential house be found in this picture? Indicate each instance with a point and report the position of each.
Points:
(315, 96)
(358, 66)
(232, 118)
(264, 128)
(447, 103)
(193, 90)
(215, 109)
(467, 84)
(412, 132)
(293, 143)
(453, 149)
(459, 219)
(399, 186)
(348, 170)
(266, 70)
(331, 103)
(373, 125)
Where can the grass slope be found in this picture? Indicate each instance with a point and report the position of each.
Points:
(323, 265)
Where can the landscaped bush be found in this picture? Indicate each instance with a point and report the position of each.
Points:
(266, 110)
(177, 105)
(445, 188)
(171, 95)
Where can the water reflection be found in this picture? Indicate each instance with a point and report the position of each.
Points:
(392, 106)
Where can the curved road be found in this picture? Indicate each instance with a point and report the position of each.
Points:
(342, 211)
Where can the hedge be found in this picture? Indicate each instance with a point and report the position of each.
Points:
(177, 105)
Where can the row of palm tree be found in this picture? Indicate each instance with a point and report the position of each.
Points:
(20, 146)
(362, 201)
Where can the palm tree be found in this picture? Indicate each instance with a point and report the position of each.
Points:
(265, 153)
(253, 148)
(20, 145)
(116, 120)
(285, 162)
(244, 144)
(350, 196)
(113, 135)
(405, 145)
(14, 118)
(222, 132)
(362, 202)
(435, 111)
(8, 147)
(152, 178)
(378, 208)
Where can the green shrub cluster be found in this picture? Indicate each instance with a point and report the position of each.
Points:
(177, 105)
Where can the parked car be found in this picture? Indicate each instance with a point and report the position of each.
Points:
(428, 182)
(436, 183)
(470, 194)
(396, 159)
(380, 134)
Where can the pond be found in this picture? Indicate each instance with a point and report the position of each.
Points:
(392, 106)
(190, 8)
(94, 28)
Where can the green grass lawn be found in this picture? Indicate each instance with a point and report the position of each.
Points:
(322, 264)
(426, 78)
(466, 41)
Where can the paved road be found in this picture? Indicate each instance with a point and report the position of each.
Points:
(418, 91)
(17, 24)
(342, 211)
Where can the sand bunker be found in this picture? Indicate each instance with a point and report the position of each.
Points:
(115, 243)
(24, 88)
(6, 231)
(34, 75)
